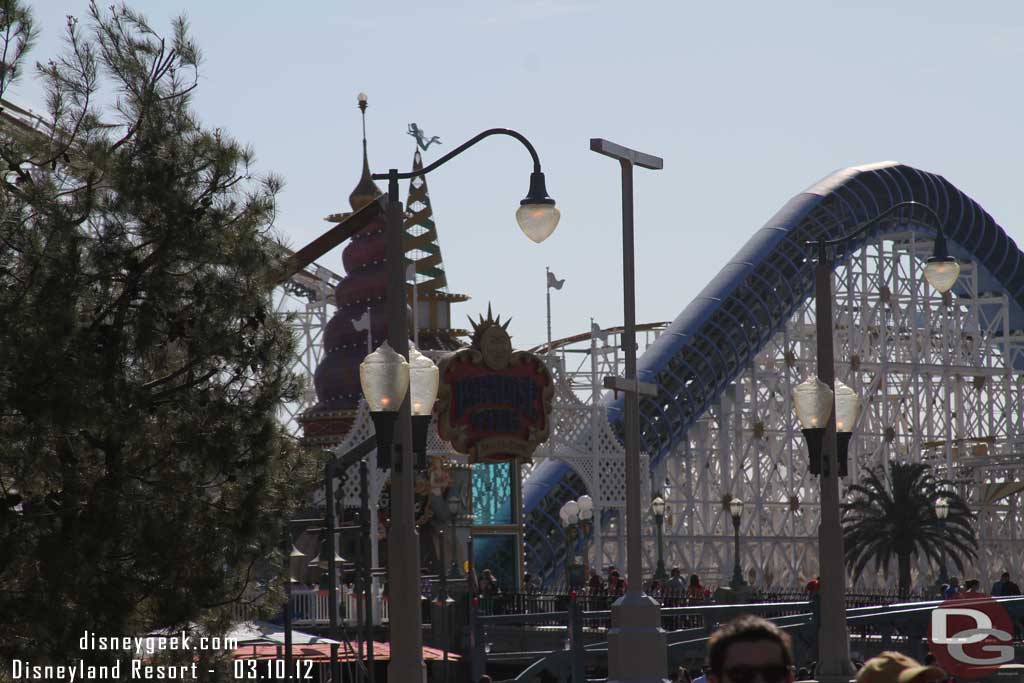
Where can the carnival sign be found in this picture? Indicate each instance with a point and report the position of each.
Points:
(494, 404)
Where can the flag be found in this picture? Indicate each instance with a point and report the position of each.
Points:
(363, 322)
(597, 333)
(410, 273)
(554, 282)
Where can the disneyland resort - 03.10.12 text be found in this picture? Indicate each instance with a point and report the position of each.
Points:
(141, 665)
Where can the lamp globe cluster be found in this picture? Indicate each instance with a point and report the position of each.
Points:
(576, 511)
(386, 376)
(813, 401)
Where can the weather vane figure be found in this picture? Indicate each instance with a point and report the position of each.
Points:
(421, 137)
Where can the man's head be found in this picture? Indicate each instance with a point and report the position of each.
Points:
(750, 649)
(676, 572)
(1005, 577)
(971, 584)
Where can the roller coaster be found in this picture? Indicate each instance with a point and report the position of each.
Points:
(939, 376)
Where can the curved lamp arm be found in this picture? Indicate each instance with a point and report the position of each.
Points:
(941, 270)
(860, 229)
(459, 150)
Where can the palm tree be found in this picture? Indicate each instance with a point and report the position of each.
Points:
(894, 516)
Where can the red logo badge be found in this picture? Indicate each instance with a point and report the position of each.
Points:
(971, 636)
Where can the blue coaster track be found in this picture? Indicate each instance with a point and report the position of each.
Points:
(711, 341)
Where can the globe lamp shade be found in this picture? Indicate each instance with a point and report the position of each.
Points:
(570, 512)
(585, 503)
(812, 400)
(941, 274)
(537, 214)
(384, 377)
(847, 408)
(658, 507)
(942, 508)
(941, 270)
(736, 508)
(423, 380)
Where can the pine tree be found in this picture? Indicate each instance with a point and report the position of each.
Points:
(144, 474)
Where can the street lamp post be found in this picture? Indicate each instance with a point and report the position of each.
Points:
(825, 407)
(736, 511)
(941, 513)
(658, 510)
(537, 217)
(636, 642)
(577, 516)
(454, 503)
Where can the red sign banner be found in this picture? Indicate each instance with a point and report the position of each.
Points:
(494, 414)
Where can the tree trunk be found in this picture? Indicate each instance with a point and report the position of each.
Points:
(903, 562)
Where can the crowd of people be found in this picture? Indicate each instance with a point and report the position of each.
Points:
(751, 649)
(971, 588)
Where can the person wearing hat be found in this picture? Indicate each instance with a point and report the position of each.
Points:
(896, 667)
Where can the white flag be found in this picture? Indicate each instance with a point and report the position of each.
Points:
(554, 282)
(597, 333)
(362, 324)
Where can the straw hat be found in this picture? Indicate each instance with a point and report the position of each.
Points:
(895, 667)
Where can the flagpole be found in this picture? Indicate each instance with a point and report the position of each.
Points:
(547, 281)
(369, 331)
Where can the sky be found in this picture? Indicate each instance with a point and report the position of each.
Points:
(748, 103)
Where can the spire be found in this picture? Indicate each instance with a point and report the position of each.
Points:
(366, 191)
(421, 243)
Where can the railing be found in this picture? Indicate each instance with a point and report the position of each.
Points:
(312, 606)
(590, 601)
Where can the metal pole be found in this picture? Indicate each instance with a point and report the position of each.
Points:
(833, 636)
(547, 283)
(659, 571)
(634, 531)
(367, 596)
(332, 567)
(443, 601)
(575, 632)
(406, 627)
(943, 570)
(737, 571)
(636, 642)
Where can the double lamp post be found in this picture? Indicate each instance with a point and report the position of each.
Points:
(386, 378)
(827, 411)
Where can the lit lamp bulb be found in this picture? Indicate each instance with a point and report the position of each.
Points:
(423, 380)
(847, 408)
(812, 400)
(423, 376)
(384, 376)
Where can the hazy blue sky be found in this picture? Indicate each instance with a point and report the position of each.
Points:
(748, 103)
